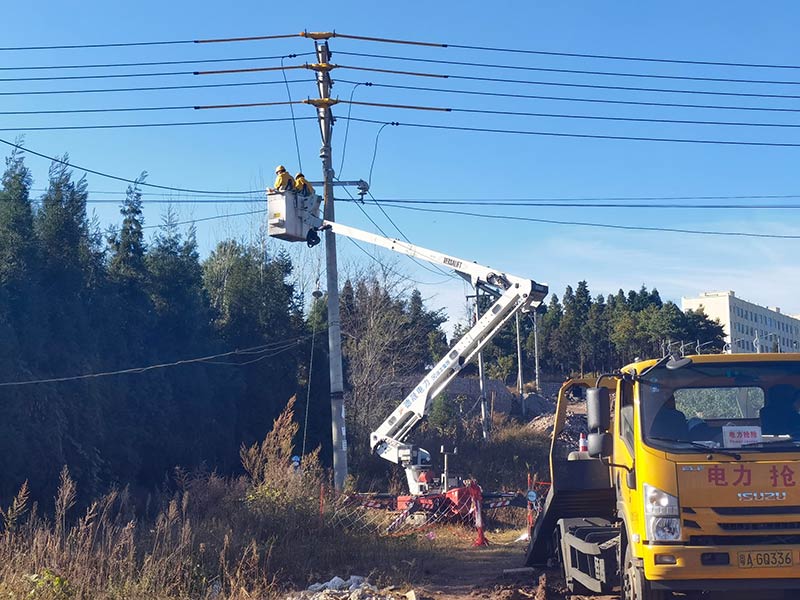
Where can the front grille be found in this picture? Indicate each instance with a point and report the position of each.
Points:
(758, 526)
(733, 511)
(743, 540)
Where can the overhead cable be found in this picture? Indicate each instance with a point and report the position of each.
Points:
(144, 125)
(572, 54)
(153, 43)
(489, 204)
(407, 43)
(214, 218)
(411, 107)
(152, 64)
(515, 113)
(569, 71)
(505, 80)
(582, 135)
(677, 61)
(258, 199)
(748, 234)
(150, 88)
(116, 177)
(568, 98)
(277, 348)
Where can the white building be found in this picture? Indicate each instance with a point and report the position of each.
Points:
(748, 326)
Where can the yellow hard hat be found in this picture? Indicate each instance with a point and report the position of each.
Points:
(299, 175)
(280, 169)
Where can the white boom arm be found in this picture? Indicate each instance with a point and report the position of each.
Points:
(513, 294)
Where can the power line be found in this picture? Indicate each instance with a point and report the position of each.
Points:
(574, 116)
(158, 74)
(152, 43)
(385, 105)
(405, 237)
(214, 218)
(571, 54)
(584, 135)
(621, 87)
(574, 85)
(152, 63)
(389, 269)
(626, 119)
(569, 71)
(488, 204)
(406, 42)
(116, 177)
(627, 58)
(481, 203)
(347, 127)
(294, 123)
(103, 76)
(605, 225)
(279, 347)
(150, 88)
(570, 99)
(223, 195)
(142, 125)
(431, 269)
(93, 110)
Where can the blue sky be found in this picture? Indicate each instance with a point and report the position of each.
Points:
(435, 164)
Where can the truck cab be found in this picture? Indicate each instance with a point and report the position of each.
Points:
(701, 457)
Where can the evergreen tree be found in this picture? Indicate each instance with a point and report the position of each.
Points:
(253, 304)
(596, 337)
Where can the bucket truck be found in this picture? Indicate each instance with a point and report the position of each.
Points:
(294, 218)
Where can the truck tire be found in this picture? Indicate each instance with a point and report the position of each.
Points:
(634, 585)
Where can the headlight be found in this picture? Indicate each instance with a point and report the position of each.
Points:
(662, 515)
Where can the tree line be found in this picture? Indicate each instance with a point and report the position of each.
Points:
(77, 301)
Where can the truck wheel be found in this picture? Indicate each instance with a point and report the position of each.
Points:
(634, 585)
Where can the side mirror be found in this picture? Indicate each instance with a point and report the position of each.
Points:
(598, 409)
(601, 445)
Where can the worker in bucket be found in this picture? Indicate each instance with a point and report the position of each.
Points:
(302, 186)
(283, 181)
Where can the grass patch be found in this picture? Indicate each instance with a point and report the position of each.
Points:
(210, 537)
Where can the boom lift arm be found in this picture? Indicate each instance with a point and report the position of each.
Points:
(512, 294)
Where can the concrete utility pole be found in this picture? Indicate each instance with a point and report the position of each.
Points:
(536, 348)
(519, 368)
(338, 429)
(481, 374)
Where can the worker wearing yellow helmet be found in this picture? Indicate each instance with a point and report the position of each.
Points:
(302, 186)
(283, 181)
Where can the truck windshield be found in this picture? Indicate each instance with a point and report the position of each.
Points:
(745, 406)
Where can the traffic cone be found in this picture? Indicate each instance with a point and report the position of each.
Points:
(583, 443)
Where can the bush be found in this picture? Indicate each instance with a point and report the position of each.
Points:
(209, 537)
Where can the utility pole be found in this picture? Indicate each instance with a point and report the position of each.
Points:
(536, 348)
(481, 374)
(519, 370)
(323, 105)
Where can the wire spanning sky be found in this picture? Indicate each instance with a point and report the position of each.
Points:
(569, 116)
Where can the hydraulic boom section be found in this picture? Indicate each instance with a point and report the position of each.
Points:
(512, 294)
(294, 218)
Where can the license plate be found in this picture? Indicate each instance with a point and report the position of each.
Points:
(765, 558)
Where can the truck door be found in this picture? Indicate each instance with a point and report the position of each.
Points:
(625, 480)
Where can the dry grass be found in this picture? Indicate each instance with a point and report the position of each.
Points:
(209, 538)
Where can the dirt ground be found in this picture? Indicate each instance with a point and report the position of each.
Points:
(473, 573)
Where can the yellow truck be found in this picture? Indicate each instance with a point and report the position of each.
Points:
(691, 482)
